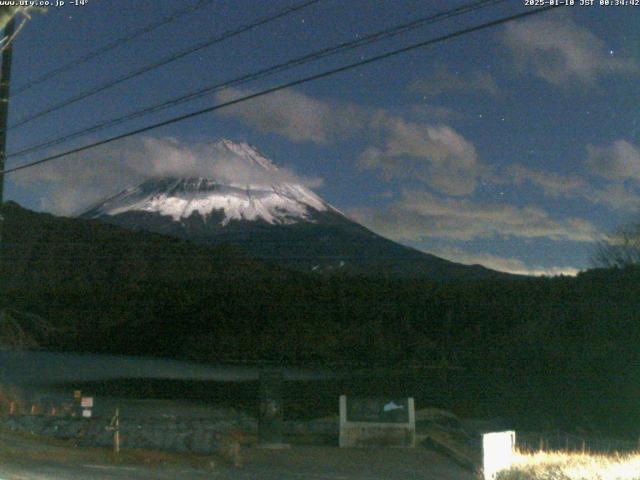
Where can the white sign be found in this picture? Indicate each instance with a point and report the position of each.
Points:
(86, 412)
(86, 402)
(498, 449)
(377, 421)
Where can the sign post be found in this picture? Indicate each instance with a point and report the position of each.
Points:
(86, 403)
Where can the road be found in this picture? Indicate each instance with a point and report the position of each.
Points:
(24, 457)
(56, 471)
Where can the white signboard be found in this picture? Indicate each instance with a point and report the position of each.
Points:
(377, 422)
(86, 413)
(498, 449)
(86, 402)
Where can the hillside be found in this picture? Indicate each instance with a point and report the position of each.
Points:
(562, 351)
(43, 250)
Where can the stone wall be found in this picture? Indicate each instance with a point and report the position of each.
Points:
(203, 436)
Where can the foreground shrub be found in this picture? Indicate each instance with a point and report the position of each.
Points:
(573, 466)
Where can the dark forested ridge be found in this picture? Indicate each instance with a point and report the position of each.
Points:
(560, 347)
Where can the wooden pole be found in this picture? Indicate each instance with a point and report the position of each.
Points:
(116, 432)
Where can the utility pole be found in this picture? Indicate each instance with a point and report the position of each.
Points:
(5, 76)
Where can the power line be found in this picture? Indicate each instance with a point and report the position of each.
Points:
(284, 86)
(111, 46)
(166, 60)
(291, 63)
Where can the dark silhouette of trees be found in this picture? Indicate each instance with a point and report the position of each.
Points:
(620, 249)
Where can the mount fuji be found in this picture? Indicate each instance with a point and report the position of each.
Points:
(279, 221)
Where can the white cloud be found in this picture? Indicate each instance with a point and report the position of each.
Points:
(618, 161)
(616, 196)
(558, 50)
(420, 215)
(552, 184)
(294, 115)
(503, 264)
(74, 182)
(434, 154)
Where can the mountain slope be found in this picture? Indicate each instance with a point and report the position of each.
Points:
(275, 220)
(42, 250)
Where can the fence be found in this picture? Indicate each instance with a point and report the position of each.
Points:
(562, 441)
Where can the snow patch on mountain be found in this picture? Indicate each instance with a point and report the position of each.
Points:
(277, 204)
(179, 198)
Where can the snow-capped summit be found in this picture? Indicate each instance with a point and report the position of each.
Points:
(258, 198)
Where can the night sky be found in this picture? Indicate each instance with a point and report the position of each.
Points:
(515, 147)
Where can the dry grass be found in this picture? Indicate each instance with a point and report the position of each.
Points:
(573, 466)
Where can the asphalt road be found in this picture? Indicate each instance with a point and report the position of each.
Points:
(52, 470)
(56, 471)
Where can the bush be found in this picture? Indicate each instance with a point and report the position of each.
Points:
(573, 466)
